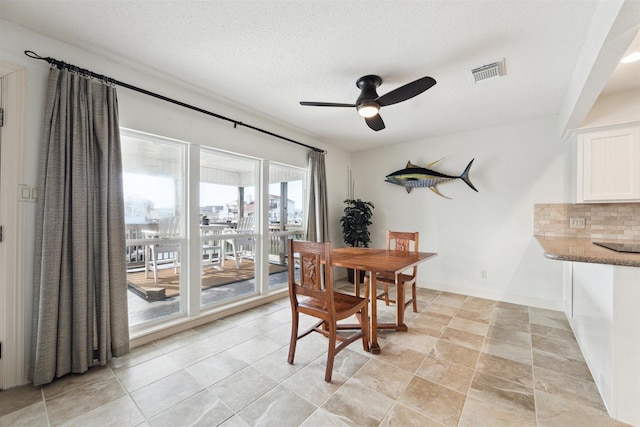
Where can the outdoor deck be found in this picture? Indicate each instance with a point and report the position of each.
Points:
(141, 310)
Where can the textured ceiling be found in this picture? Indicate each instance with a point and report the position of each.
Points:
(266, 56)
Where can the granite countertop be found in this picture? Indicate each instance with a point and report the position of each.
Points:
(583, 250)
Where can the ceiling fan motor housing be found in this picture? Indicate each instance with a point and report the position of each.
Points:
(368, 85)
(366, 104)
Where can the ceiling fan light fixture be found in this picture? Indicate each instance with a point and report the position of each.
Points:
(368, 109)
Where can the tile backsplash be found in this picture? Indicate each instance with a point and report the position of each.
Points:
(610, 221)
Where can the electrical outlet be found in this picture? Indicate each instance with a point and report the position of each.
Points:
(483, 274)
(576, 222)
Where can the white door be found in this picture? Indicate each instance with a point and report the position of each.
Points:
(12, 139)
(3, 266)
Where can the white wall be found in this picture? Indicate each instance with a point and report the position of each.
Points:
(143, 113)
(516, 166)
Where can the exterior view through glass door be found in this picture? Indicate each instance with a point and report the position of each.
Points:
(154, 194)
(181, 263)
(287, 189)
(229, 222)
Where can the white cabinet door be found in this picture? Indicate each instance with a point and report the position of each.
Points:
(609, 165)
(592, 321)
(605, 322)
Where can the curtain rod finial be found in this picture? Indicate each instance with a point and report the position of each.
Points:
(32, 54)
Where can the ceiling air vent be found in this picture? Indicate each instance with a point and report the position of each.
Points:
(489, 71)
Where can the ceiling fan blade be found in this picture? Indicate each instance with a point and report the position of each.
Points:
(405, 92)
(326, 104)
(375, 122)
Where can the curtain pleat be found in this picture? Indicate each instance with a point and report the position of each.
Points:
(80, 316)
(318, 211)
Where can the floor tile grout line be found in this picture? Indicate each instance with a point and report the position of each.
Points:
(128, 393)
(475, 368)
(185, 368)
(413, 374)
(504, 379)
(46, 406)
(533, 372)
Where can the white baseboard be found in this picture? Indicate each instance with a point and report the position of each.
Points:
(497, 296)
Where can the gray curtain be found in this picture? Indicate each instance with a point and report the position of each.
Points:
(80, 316)
(318, 212)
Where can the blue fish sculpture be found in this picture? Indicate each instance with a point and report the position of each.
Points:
(415, 176)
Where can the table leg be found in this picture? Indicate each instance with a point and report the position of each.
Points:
(400, 298)
(373, 326)
(398, 325)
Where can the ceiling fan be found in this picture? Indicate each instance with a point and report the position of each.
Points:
(369, 103)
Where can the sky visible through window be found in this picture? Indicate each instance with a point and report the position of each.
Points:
(155, 190)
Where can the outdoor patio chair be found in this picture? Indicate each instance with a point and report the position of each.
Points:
(212, 247)
(242, 246)
(163, 253)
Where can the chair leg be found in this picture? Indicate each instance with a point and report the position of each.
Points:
(365, 284)
(235, 254)
(331, 354)
(294, 337)
(363, 318)
(414, 297)
(386, 294)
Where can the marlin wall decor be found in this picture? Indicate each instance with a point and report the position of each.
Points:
(414, 176)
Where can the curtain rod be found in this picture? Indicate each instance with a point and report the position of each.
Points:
(90, 74)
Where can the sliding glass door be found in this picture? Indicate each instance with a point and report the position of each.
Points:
(229, 224)
(203, 229)
(286, 214)
(154, 192)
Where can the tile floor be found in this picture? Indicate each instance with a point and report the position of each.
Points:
(465, 361)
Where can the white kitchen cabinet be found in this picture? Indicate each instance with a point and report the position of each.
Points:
(606, 322)
(608, 165)
(592, 321)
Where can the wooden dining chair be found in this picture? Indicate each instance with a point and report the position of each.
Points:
(405, 242)
(311, 293)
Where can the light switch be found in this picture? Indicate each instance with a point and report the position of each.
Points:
(27, 193)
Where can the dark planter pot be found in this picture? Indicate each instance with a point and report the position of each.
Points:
(350, 274)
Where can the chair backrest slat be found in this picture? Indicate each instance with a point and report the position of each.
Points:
(314, 278)
(245, 225)
(169, 226)
(403, 241)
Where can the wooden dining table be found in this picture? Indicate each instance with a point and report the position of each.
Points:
(375, 261)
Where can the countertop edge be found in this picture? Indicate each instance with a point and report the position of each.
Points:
(583, 250)
(592, 260)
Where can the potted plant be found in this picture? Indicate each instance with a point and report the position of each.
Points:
(355, 226)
